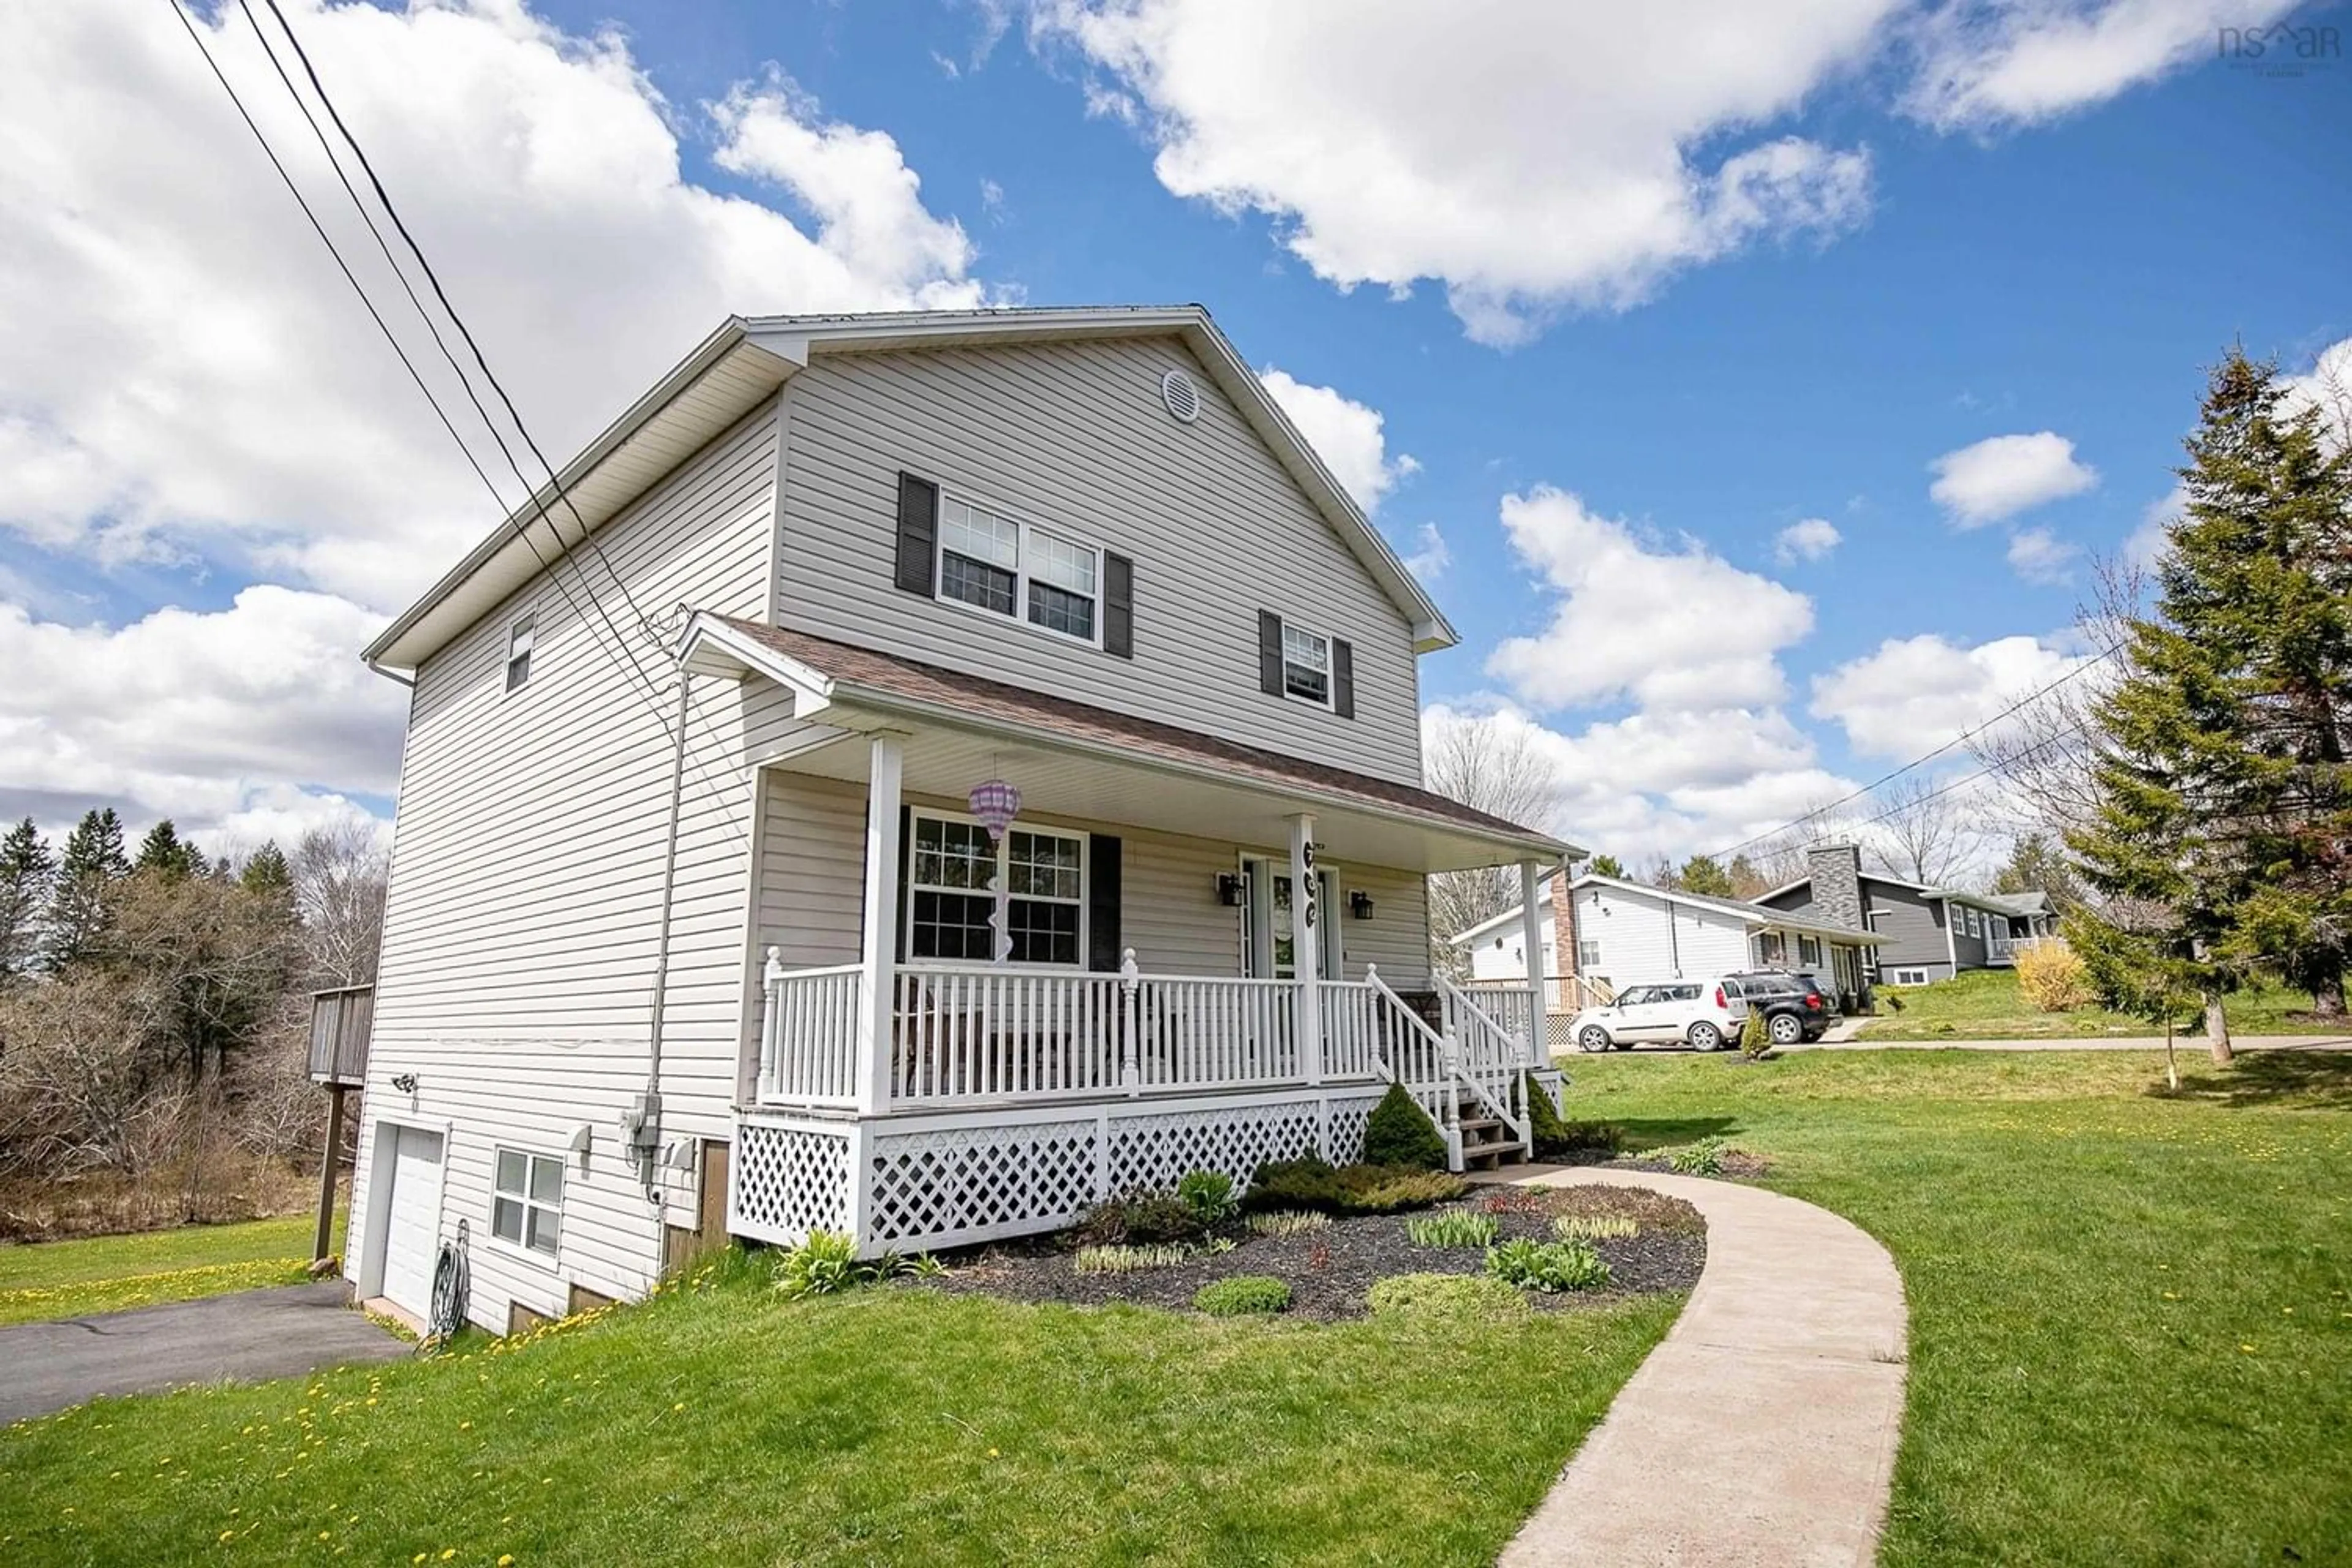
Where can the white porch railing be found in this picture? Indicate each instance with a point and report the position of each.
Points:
(1001, 1034)
(808, 1035)
(1490, 1056)
(2005, 949)
(1195, 1031)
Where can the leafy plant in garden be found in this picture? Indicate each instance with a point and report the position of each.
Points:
(1400, 1132)
(1704, 1158)
(1595, 1226)
(1550, 1267)
(1208, 1194)
(1454, 1227)
(1130, 1259)
(824, 1265)
(1288, 1222)
(1755, 1035)
(1313, 1183)
(1243, 1295)
(1153, 1215)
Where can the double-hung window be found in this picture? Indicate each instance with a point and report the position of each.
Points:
(1587, 954)
(518, 641)
(527, 1202)
(952, 880)
(1020, 571)
(1306, 665)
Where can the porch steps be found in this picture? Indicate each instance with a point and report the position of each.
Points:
(1486, 1144)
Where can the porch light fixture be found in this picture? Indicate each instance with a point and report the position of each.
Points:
(1229, 890)
(1360, 905)
(996, 803)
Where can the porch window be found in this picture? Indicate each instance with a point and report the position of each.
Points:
(1306, 665)
(1018, 570)
(527, 1202)
(951, 878)
(1587, 954)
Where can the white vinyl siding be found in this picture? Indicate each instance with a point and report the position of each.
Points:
(520, 926)
(1640, 946)
(1071, 438)
(527, 1200)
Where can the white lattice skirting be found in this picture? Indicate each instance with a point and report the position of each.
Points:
(919, 1183)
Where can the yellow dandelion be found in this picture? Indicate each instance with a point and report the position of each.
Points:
(447, 1552)
(506, 1560)
(226, 1533)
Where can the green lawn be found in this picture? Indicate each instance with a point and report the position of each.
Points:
(725, 1426)
(48, 1279)
(1984, 1005)
(2131, 1339)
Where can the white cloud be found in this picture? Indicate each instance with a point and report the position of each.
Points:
(187, 374)
(1430, 556)
(1347, 434)
(2040, 556)
(1910, 695)
(1675, 783)
(1671, 626)
(2004, 475)
(1987, 63)
(205, 717)
(1808, 540)
(2327, 386)
(1532, 157)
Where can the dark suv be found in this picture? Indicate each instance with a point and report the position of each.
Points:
(1795, 1007)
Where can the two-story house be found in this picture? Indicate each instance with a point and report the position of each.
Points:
(1925, 933)
(917, 775)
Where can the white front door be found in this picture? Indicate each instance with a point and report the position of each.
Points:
(411, 1232)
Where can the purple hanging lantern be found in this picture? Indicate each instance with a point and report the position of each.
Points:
(996, 803)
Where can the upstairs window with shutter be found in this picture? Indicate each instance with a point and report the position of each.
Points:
(1306, 665)
(963, 552)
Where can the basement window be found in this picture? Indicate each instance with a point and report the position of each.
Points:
(527, 1204)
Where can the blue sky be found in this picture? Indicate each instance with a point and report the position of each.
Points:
(2062, 257)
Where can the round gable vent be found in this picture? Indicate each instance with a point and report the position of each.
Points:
(1182, 396)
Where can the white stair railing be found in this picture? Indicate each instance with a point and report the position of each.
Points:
(808, 1034)
(1492, 1058)
(1418, 1056)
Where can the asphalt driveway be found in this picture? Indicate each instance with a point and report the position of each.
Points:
(247, 1336)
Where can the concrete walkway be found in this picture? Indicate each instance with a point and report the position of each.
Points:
(249, 1334)
(1762, 1430)
(2187, 1045)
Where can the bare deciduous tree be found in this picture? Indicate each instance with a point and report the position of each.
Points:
(339, 887)
(1493, 763)
(1924, 830)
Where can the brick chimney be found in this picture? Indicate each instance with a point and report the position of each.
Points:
(1563, 940)
(1836, 871)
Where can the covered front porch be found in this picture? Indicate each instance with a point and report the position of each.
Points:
(1167, 957)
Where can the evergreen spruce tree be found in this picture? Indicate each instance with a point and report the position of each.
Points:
(169, 855)
(26, 870)
(2225, 816)
(1702, 876)
(267, 873)
(1606, 866)
(93, 862)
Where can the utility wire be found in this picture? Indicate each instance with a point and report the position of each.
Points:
(432, 277)
(1926, 757)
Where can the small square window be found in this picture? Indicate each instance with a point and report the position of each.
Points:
(1306, 666)
(518, 640)
(527, 1202)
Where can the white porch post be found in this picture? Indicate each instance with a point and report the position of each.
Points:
(1307, 944)
(879, 951)
(1531, 935)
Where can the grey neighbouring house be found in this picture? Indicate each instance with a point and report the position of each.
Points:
(949, 768)
(1928, 932)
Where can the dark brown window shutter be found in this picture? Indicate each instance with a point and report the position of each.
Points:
(1343, 679)
(1102, 902)
(1269, 653)
(918, 533)
(1119, 605)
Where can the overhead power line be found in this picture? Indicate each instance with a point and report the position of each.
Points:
(1926, 757)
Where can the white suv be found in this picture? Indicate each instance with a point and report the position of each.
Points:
(1706, 1014)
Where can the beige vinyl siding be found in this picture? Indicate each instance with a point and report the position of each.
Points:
(1397, 936)
(520, 928)
(1073, 437)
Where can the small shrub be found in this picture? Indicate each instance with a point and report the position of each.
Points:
(2051, 976)
(1755, 1035)
(1704, 1158)
(1455, 1227)
(1592, 1137)
(1467, 1298)
(1242, 1296)
(1401, 1134)
(1129, 1259)
(1550, 1267)
(1208, 1194)
(1154, 1215)
(1288, 1222)
(1309, 1183)
(1515, 1200)
(1594, 1226)
(824, 1265)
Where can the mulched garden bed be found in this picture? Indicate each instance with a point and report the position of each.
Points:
(1331, 1269)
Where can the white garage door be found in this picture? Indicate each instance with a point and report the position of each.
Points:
(413, 1219)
